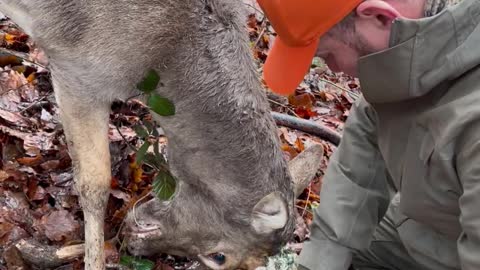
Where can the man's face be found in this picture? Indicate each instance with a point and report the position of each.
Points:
(339, 55)
(365, 32)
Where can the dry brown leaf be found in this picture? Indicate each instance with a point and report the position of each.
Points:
(299, 145)
(30, 161)
(59, 226)
(3, 175)
(292, 153)
(35, 192)
(14, 118)
(50, 165)
(305, 100)
(111, 253)
(38, 141)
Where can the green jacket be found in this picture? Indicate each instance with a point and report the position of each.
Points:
(417, 129)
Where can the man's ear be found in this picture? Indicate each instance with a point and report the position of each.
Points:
(270, 214)
(380, 11)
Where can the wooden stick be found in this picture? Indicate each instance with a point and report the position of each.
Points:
(308, 127)
(45, 256)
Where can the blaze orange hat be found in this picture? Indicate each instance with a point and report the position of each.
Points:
(299, 25)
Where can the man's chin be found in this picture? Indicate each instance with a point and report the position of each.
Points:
(351, 72)
(337, 67)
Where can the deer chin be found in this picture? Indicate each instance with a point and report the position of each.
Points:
(138, 241)
(146, 234)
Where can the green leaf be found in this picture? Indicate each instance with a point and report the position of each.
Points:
(156, 151)
(137, 263)
(161, 105)
(126, 260)
(153, 161)
(164, 186)
(155, 132)
(141, 131)
(149, 125)
(150, 82)
(143, 264)
(141, 152)
(317, 62)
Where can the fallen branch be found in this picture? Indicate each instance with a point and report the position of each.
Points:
(307, 126)
(44, 256)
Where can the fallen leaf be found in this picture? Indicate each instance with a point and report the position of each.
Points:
(9, 100)
(61, 179)
(290, 151)
(3, 175)
(30, 161)
(35, 192)
(14, 118)
(127, 132)
(39, 140)
(50, 165)
(301, 229)
(8, 59)
(299, 145)
(10, 233)
(60, 226)
(305, 100)
(120, 195)
(14, 259)
(305, 113)
(289, 136)
(111, 253)
(326, 96)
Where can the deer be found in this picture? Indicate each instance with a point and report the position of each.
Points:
(234, 204)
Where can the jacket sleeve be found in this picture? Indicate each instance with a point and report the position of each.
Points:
(468, 169)
(354, 196)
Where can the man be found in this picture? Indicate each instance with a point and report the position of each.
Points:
(415, 134)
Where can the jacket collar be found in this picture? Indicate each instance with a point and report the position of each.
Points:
(423, 53)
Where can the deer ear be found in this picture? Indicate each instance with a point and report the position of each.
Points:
(270, 214)
(304, 167)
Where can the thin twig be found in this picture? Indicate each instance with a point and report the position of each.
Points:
(284, 106)
(260, 36)
(308, 211)
(125, 139)
(355, 95)
(306, 202)
(34, 103)
(256, 9)
(135, 206)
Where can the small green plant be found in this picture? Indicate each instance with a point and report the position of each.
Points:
(136, 263)
(157, 103)
(164, 184)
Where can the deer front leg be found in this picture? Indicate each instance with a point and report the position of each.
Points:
(86, 127)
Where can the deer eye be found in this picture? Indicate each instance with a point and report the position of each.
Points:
(219, 258)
